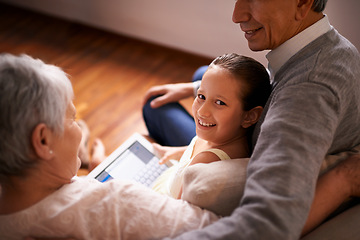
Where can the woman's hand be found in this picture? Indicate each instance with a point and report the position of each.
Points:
(168, 93)
(167, 153)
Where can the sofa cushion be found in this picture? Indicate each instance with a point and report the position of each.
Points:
(216, 186)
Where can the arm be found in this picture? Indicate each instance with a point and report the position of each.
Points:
(129, 211)
(169, 93)
(332, 189)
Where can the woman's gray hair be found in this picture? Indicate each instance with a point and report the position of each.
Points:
(319, 5)
(31, 92)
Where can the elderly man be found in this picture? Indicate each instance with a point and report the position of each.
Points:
(312, 112)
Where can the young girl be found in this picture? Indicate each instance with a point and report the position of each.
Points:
(229, 102)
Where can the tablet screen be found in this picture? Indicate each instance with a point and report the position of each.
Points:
(127, 164)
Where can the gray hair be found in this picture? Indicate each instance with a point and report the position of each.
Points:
(319, 5)
(31, 92)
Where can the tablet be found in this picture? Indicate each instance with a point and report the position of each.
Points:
(132, 160)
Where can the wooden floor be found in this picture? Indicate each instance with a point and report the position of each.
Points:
(110, 73)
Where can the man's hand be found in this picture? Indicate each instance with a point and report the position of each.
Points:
(333, 188)
(168, 93)
(350, 170)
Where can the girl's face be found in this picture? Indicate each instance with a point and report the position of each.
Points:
(217, 109)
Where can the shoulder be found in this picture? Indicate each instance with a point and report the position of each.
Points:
(331, 56)
(207, 156)
(328, 68)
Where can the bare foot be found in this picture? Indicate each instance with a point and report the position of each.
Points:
(83, 148)
(97, 153)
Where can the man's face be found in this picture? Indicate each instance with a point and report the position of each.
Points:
(266, 23)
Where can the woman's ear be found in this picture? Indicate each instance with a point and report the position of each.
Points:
(41, 140)
(303, 8)
(252, 116)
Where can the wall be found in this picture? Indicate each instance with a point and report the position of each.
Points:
(202, 26)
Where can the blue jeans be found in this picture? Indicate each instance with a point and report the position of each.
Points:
(171, 124)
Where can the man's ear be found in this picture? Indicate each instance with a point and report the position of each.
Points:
(41, 140)
(303, 8)
(252, 116)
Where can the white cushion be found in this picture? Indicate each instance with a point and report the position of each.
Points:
(216, 186)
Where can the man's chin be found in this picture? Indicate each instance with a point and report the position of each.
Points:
(256, 47)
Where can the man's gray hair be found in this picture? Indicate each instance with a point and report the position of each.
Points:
(319, 5)
(31, 92)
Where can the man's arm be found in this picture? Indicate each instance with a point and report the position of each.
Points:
(333, 188)
(169, 93)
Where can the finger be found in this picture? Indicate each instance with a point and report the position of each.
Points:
(161, 161)
(160, 101)
(158, 150)
(154, 91)
(164, 160)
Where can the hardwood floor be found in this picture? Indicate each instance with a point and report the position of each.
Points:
(110, 73)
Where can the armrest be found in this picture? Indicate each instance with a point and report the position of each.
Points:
(343, 226)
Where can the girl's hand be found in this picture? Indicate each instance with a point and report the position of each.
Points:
(167, 153)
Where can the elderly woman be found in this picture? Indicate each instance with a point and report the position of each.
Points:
(39, 159)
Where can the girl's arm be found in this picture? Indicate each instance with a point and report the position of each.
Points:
(333, 188)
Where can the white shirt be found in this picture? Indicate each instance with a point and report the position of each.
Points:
(279, 56)
(88, 209)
